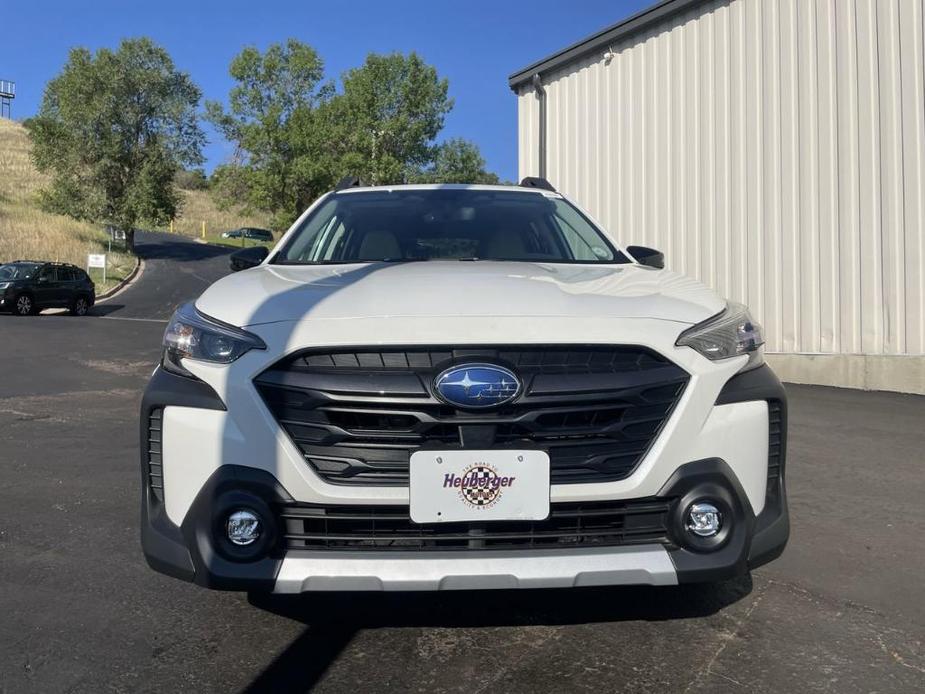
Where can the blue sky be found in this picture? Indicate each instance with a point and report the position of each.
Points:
(476, 44)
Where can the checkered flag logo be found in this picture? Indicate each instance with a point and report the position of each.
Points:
(480, 491)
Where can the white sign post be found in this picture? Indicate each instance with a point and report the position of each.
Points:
(97, 260)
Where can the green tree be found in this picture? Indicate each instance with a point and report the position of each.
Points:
(456, 161)
(296, 135)
(113, 130)
(387, 116)
(231, 186)
(271, 120)
(191, 179)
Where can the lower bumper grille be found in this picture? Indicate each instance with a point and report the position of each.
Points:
(384, 528)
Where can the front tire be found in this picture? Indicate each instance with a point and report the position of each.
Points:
(80, 306)
(24, 305)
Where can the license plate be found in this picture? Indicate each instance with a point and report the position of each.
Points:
(449, 486)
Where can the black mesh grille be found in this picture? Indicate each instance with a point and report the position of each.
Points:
(155, 438)
(357, 416)
(593, 524)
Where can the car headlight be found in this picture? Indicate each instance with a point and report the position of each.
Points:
(192, 335)
(728, 334)
(4, 285)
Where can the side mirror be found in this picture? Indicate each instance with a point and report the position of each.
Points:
(647, 256)
(248, 257)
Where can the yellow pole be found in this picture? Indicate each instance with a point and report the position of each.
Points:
(203, 230)
(171, 226)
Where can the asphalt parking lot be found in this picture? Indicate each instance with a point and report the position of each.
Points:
(841, 611)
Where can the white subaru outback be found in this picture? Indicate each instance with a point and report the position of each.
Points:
(459, 387)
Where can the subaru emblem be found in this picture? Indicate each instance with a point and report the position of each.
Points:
(475, 386)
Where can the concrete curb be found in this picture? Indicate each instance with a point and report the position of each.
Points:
(124, 284)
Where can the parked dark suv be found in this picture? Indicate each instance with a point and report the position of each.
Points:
(28, 286)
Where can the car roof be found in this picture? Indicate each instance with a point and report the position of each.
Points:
(41, 262)
(447, 186)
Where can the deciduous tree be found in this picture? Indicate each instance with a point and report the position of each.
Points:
(387, 116)
(113, 130)
(271, 120)
(297, 135)
(456, 161)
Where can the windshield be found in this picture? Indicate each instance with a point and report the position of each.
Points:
(17, 271)
(446, 224)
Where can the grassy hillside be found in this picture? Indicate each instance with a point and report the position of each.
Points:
(198, 207)
(28, 232)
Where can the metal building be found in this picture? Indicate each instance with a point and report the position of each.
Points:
(775, 149)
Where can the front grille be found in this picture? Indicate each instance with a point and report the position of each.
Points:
(592, 359)
(590, 524)
(357, 416)
(155, 438)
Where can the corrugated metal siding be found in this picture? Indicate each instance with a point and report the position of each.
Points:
(774, 149)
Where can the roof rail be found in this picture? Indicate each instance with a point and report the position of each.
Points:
(54, 263)
(536, 182)
(349, 182)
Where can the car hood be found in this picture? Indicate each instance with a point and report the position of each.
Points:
(273, 293)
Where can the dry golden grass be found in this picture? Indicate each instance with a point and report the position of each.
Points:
(20, 179)
(198, 207)
(28, 232)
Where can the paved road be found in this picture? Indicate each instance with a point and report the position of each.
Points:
(842, 611)
(176, 270)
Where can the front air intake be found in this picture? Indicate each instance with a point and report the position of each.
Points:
(390, 528)
(155, 468)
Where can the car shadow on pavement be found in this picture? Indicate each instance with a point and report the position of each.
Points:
(96, 311)
(105, 309)
(332, 619)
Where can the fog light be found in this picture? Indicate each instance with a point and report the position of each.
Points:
(243, 528)
(704, 520)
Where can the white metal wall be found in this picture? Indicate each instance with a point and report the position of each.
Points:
(774, 149)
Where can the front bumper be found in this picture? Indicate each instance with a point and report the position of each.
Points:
(321, 571)
(188, 550)
(219, 437)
